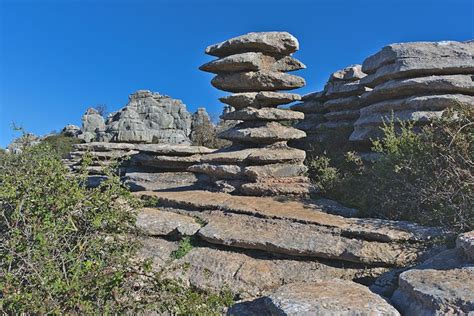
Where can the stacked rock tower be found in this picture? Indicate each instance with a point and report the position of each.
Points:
(254, 68)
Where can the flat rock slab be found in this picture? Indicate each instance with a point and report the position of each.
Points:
(252, 62)
(172, 150)
(158, 250)
(466, 243)
(250, 275)
(257, 81)
(259, 99)
(309, 107)
(164, 162)
(436, 292)
(295, 186)
(398, 88)
(150, 181)
(305, 211)
(295, 239)
(255, 155)
(262, 133)
(277, 43)
(350, 73)
(330, 297)
(264, 114)
(155, 222)
(102, 146)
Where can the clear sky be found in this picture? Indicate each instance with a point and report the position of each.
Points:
(59, 57)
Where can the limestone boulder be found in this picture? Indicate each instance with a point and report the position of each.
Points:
(281, 170)
(465, 242)
(155, 222)
(252, 62)
(329, 297)
(257, 81)
(263, 114)
(436, 292)
(144, 180)
(272, 43)
(158, 250)
(350, 73)
(256, 156)
(262, 133)
(218, 170)
(71, 131)
(259, 99)
(298, 186)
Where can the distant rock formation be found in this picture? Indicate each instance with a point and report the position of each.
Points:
(147, 118)
(254, 66)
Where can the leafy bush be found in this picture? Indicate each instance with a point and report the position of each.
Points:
(206, 135)
(424, 176)
(66, 249)
(61, 145)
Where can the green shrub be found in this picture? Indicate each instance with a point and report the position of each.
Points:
(185, 246)
(61, 145)
(66, 249)
(424, 176)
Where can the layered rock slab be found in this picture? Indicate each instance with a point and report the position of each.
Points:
(155, 222)
(259, 100)
(257, 81)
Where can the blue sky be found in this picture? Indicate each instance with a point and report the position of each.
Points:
(59, 57)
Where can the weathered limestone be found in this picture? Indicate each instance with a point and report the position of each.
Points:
(254, 67)
(466, 243)
(415, 82)
(330, 297)
(92, 124)
(155, 222)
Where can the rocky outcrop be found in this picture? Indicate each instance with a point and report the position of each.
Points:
(93, 125)
(414, 82)
(141, 166)
(254, 66)
(71, 131)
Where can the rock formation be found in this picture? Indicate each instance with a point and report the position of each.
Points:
(141, 166)
(254, 67)
(414, 82)
(92, 125)
(71, 131)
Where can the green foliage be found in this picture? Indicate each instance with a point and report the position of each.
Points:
(424, 176)
(66, 249)
(206, 135)
(61, 145)
(185, 246)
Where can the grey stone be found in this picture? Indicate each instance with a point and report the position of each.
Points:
(172, 150)
(369, 229)
(310, 122)
(155, 222)
(264, 114)
(340, 104)
(340, 89)
(252, 62)
(256, 156)
(218, 170)
(259, 99)
(158, 250)
(278, 43)
(418, 59)
(150, 118)
(350, 73)
(262, 133)
(92, 122)
(150, 181)
(347, 115)
(104, 147)
(275, 171)
(257, 81)
(71, 131)
(299, 186)
(399, 88)
(466, 243)
(330, 297)
(162, 162)
(295, 239)
(309, 107)
(436, 292)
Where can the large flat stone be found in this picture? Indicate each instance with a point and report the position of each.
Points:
(309, 107)
(280, 170)
(101, 146)
(151, 181)
(172, 150)
(257, 81)
(419, 103)
(465, 242)
(436, 292)
(264, 114)
(310, 122)
(350, 73)
(342, 89)
(164, 162)
(418, 59)
(341, 104)
(252, 62)
(262, 133)
(158, 250)
(329, 297)
(295, 239)
(259, 99)
(305, 211)
(250, 276)
(219, 171)
(378, 119)
(346, 115)
(277, 43)
(255, 155)
(155, 222)
(394, 89)
(298, 186)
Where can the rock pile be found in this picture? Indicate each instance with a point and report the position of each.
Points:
(414, 82)
(254, 67)
(332, 112)
(141, 166)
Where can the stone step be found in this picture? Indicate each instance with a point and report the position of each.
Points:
(155, 222)
(264, 114)
(251, 274)
(305, 240)
(151, 181)
(296, 186)
(259, 99)
(172, 150)
(255, 155)
(164, 162)
(257, 81)
(252, 62)
(303, 211)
